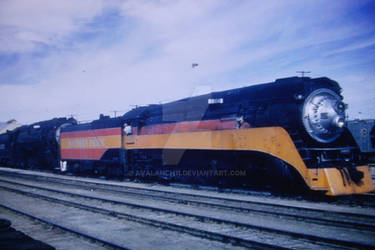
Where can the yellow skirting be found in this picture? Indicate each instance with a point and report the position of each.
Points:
(271, 140)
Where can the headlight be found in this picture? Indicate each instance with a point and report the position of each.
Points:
(324, 115)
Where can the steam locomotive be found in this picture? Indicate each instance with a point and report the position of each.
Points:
(287, 133)
(34, 146)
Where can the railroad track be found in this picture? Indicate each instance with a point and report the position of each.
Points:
(313, 215)
(149, 221)
(100, 217)
(213, 225)
(92, 238)
(357, 200)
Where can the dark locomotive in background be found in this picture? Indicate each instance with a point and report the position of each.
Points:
(289, 131)
(34, 146)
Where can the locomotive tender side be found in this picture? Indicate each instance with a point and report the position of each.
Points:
(291, 129)
(94, 147)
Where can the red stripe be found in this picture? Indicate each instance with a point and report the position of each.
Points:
(92, 133)
(84, 154)
(181, 127)
(184, 127)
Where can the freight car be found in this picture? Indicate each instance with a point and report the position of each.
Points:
(285, 132)
(33, 146)
(5, 141)
(363, 132)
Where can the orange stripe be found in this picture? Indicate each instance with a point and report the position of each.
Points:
(92, 133)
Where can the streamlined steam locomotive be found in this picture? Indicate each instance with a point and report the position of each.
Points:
(290, 133)
(285, 132)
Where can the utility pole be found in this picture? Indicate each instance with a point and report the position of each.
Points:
(115, 112)
(303, 72)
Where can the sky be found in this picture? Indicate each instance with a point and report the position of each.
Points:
(83, 58)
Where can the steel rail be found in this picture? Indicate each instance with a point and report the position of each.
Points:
(157, 223)
(325, 221)
(310, 237)
(70, 230)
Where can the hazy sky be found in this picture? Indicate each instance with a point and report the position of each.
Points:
(88, 57)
